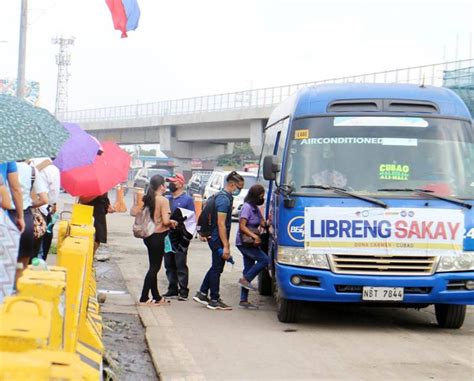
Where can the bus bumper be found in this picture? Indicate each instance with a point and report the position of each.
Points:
(326, 286)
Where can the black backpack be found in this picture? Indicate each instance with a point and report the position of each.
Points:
(207, 219)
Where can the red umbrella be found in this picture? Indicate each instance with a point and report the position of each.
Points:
(108, 170)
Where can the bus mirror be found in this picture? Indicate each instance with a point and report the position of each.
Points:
(270, 168)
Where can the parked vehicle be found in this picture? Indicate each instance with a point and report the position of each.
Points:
(371, 191)
(197, 183)
(143, 176)
(216, 183)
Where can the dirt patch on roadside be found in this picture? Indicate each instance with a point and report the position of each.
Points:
(123, 334)
(124, 340)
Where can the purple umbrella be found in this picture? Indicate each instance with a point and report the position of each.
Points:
(79, 150)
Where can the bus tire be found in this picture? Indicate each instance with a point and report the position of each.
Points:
(288, 310)
(265, 283)
(450, 315)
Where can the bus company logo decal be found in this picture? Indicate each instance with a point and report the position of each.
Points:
(296, 229)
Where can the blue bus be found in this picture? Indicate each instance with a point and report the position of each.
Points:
(370, 194)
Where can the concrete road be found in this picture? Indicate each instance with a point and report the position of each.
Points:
(330, 342)
(189, 341)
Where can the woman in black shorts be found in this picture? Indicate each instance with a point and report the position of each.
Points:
(102, 207)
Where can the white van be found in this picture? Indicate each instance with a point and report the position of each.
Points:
(216, 183)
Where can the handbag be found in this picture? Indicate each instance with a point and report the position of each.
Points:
(39, 223)
(247, 240)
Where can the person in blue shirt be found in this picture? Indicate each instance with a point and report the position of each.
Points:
(9, 172)
(176, 266)
(219, 243)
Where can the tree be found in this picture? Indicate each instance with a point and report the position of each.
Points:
(242, 153)
(147, 152)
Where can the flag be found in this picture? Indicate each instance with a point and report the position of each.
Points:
(125, 15)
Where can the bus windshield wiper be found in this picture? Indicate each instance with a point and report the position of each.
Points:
(430, 193)
(347, 193)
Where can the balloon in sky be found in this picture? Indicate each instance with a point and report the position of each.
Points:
(125, 14)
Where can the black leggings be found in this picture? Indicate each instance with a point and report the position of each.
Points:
(156, 249)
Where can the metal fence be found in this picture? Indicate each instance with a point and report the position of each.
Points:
(258, 98)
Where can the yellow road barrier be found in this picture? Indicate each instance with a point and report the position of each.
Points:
(25, 323)
(53, 329)
(49, 286)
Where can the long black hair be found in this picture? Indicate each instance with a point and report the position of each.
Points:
(149, 198)
(255, 194)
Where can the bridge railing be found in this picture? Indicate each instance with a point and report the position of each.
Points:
(258, 98)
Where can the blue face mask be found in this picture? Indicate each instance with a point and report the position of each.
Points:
(236, 192)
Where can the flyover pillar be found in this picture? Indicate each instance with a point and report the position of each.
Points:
(256, 135)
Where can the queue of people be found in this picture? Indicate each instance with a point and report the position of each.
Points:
(248, 242)
(29, 191)
(28, 195)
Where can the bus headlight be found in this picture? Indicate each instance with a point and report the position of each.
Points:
(463, 262)
(298, 256)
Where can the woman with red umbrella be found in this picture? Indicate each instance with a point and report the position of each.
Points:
(92, 182)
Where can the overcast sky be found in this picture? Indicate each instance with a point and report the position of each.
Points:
(188, 48)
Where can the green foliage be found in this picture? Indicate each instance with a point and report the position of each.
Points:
(147, 152)
(241, 154)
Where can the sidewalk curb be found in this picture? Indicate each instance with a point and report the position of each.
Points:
(170, 357)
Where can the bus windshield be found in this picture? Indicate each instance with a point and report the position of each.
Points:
(367, 154)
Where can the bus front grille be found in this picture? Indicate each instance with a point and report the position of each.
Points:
(382, 264)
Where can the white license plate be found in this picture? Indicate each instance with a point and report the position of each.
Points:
(382, 293)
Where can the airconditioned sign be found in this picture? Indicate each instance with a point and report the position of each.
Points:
(383, 231)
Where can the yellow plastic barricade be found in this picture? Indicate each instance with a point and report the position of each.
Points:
(42, 365)
(25, 323)
(49, 286)
(64, 366)
(91, 361)
(22, 366)
(82, 215)
(73, 255)
(63, 229)
(53, 329)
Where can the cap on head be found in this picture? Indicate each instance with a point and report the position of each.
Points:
(177, 178)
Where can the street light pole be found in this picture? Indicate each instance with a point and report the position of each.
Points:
(20, 86)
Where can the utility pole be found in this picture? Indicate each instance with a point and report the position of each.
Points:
(21, 83)
(63, 60)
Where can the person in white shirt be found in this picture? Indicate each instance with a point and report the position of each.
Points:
(31, 185)
(51, 176)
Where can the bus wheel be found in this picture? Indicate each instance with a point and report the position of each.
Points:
(265, 283)
(287, 310)
(450, 315)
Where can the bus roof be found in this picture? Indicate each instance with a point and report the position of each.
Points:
(316, 100)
